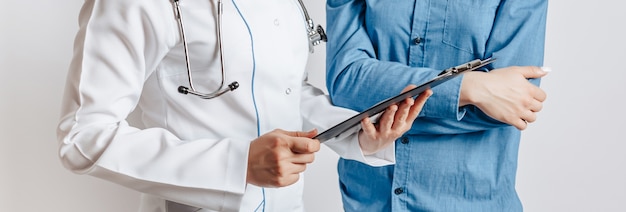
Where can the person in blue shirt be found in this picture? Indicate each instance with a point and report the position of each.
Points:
(461, 153)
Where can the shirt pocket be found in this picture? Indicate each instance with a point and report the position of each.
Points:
(468, 24)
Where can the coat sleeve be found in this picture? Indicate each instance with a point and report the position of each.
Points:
(118, 45)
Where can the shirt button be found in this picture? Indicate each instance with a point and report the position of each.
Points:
(276, 23)
(404, 140)
(398, 191)
(288, 91)
(417, 40)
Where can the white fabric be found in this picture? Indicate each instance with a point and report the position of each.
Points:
(192, 151)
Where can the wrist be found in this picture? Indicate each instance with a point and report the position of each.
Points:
(469, 86)
(363, 140)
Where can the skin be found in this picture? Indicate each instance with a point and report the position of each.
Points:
(277, 158)
(393, 123)
(505, 94)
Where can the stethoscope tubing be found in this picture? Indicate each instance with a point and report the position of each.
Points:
(192, 90)
(315, 36)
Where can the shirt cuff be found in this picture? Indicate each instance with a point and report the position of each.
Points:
(444, 103)
(238, 157)
(348, 147)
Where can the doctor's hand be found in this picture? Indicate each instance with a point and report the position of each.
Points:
(277, 158)
(394, 122)
(505, 94)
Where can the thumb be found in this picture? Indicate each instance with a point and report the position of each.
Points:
(530, 72)
(299, 145)
(304, 146)
(309, 134)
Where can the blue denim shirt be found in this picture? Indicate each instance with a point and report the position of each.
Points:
(454, 158)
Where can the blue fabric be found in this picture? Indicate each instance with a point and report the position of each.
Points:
(453, 159)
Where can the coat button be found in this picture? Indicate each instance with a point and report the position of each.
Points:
(417, 40)
(398, 191)
(404, 140)
(288, 91)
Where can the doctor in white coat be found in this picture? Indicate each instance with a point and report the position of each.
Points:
(194, 154)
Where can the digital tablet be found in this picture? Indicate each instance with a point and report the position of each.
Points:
(378, 108)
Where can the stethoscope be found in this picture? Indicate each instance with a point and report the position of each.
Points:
(316, 36)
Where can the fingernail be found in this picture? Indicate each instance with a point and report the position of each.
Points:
(546, 69)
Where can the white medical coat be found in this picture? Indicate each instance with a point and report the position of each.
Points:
(193, 151)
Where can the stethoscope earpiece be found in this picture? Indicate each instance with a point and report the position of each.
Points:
(232, 86)
(183, 89)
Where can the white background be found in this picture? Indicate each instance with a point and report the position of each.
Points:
(572, 159)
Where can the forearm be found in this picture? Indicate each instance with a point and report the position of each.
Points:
(114, 54)
(152, 160)
(441, 114)
(356, 79)
(517, 39)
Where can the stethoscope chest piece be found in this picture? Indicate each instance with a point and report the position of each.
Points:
(317, 34)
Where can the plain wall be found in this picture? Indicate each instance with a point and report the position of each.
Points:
(572, 159)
